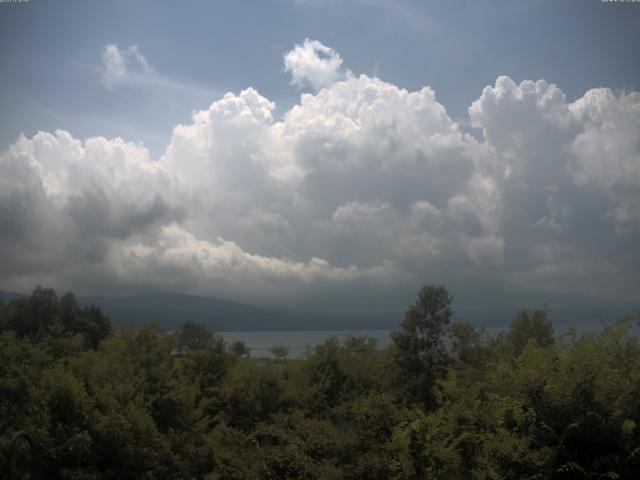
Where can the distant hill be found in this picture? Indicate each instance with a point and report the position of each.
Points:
(172, 309)
(8, 296)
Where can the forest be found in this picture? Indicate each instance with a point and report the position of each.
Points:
(444, 401)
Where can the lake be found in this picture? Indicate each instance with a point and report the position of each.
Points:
(299, 342)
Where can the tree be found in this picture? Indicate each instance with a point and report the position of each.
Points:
(240, 349)
(279, 351)
(528, 326)
(69, 312)
(421, 353)
(324, 376)
(44, 315)
(32, 316)
(469, 345)
(194, 336)
(94, 325)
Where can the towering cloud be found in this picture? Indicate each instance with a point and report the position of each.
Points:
(361, 183)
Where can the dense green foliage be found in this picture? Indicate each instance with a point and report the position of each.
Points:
(443, 401)
(420, 351)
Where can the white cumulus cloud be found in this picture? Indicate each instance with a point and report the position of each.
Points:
(313, 63)
(360, 184)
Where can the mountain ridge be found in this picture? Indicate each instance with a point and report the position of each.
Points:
(172, 309)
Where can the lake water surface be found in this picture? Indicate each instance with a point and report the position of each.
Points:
(299, 342)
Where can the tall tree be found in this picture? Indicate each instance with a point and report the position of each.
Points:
(194, 336)
(240, 349)
(421, 352)
(94, 324)
(528, 326)
(280, 352)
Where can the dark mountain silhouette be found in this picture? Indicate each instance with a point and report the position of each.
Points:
(6, 297)
(172, 309)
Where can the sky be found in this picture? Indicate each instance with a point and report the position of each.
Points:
(321, 154)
